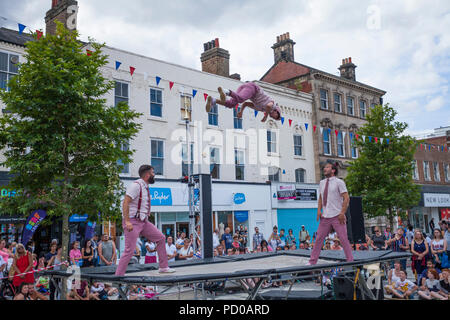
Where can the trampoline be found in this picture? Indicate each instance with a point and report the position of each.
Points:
(201, 273)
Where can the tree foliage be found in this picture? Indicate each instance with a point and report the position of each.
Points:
(382, 174)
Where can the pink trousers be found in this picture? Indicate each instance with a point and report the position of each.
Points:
(322, 232)
(243, 93)
(149, 231)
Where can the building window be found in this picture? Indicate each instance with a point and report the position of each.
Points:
(121, 92)
(437, 176)
(415, 170)
(156, 102)
(353, 147)
(326, 142)
(214, 163)
(337, 102)
(447, 172)
(323, 99)
(271, 141)
(186, 107)
(300, 175)
(125, 166)
(157, 156)
(340, 144)
(239, 158)
(274, 174)
(362, 109)
(9, 67)
(213, 115)
(185, 161)
(350, 106)
(236, 120)
(297, 145)
(426, 171)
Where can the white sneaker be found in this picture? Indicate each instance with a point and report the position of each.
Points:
(166, 270)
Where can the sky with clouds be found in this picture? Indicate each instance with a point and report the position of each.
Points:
(402, 47)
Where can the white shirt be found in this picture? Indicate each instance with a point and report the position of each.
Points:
(336, 187)
(171, 250)
(216, 241)
(179, 242)
(186, 252)
(150, 246)
(133, 191)
(331, 237)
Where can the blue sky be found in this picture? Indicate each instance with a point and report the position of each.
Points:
(402, 47)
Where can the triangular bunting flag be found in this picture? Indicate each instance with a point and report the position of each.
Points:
(290, 122)
(370, 138)
(306, 126)
(387, 140)
(351, 136)
(21, 28)
(88, 52)
(284, 171)
(170, 85)
(429, 147)
(194, 92)
(39, 34)
(282, 120)
(205, 95)
(421, 146)
(236, 107)
(321, 130)
(329, 130)
(256, 113)
(381, 140)
(376, 140)
(357, 136)
(158, 79)
(118, 64)
(343, 134)
(132, 70)
(364, 138)
(314, 128)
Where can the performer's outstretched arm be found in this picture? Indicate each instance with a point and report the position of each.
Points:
(244, 105)
(319, 208)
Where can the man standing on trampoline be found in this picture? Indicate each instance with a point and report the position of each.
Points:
(334, 201)
(135, 210)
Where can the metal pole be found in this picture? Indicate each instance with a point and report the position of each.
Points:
(191, 189)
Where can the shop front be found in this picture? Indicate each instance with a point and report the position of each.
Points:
(296, 205)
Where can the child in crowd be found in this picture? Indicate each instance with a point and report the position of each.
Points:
(432, 287)
(404, 288)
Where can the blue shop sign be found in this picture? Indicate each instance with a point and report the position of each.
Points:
(78, 218)
(239, 198)
(161, 196)
(241, 216)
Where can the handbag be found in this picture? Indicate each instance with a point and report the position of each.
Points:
(444, 261)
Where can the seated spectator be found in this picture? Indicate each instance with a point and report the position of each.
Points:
(186, 253)
(444, 283)
(424, 275)
(404, 288)
(393, 276)
(99, 289)
(290, 238)
(83, 293)
(282, 238)
(274, 239)
(432, 287)
(34, 294)
(336, 245)
(220, 250)
(265, 246)
(150, 256)
(293, 247)
(22, 293)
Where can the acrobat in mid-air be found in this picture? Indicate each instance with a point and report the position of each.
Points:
(248, 91)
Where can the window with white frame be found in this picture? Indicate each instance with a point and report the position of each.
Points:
(340, 144)
(156, 103)
(237, 121)
(323, 99)
(426, 171)
(298, 145)
(121, 92)
(337, 102)
(157, 156)
(415, 170)
(300, 175)
(9, 67)
(213, 115)
(214, 163)
(353, 147)
(239, 161)
(350, 106)
(271, 141)
(326, 142)
(447, 172)
(362, 109)
(274, 174)
(437, 176)
(185, 161)
(186, 107)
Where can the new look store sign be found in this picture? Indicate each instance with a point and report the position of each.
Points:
(436, 200)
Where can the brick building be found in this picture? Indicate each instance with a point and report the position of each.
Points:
(339, 102)
(432, 173)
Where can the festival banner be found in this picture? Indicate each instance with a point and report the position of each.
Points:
(32, 224)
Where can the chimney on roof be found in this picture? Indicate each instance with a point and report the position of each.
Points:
(215, 59)
(347, 69)
(64, 11)
(283, 49)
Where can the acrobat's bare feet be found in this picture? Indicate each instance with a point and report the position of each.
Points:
(223, 97)
(209, 104)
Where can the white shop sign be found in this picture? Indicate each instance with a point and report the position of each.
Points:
(436, 200)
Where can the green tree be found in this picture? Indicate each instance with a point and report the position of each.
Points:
(61, 141)
(382, 174)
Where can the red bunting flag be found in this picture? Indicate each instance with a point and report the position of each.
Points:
(421, 146)
(88, 52)
(357, 136)
(205, 95)
(314, 129)
(336, 132)
(236, 107)
(132, 70)
(39, 34)
(170, 85)
(376, 140)
(290, 122)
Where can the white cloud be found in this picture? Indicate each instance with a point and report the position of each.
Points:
(435, 104)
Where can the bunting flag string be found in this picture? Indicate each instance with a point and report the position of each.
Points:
(314, 128)
(256, 113)
(21, 28)
(290, 122)
(170, 84)
(282, 120)
(205, 95)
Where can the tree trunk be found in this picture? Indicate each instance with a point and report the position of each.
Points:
(65, 251)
